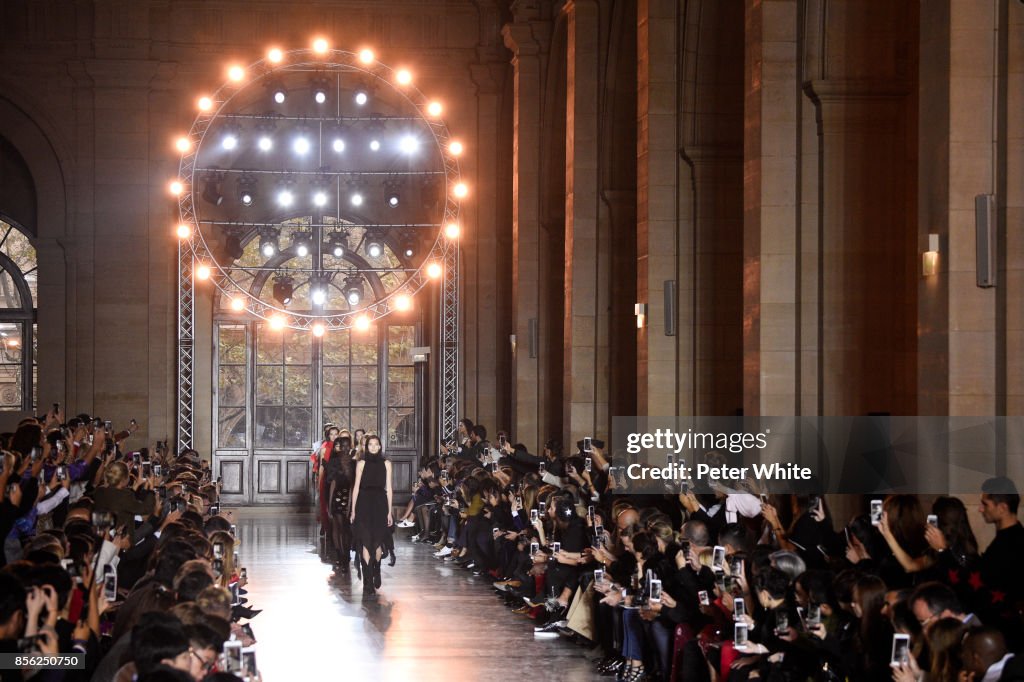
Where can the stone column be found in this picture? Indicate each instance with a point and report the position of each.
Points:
(585, 368)
(771, 266)
(521, 36)
(657, 212)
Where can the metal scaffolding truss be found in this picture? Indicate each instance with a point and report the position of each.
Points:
(186, 346)
(448, 412)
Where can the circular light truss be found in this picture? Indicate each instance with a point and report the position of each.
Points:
(324, 63)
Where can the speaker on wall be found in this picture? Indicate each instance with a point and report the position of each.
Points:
(985, 239)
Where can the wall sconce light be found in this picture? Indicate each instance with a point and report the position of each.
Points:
(930, 258)
(640, 310)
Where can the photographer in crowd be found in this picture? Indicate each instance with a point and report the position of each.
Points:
(728, 584)
(120, 557)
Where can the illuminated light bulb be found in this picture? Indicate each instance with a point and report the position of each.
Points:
(451, 230)
(434, 270)
(362, 323)
(280, 96)
(435, 108)
(229, 142)
(320, 46)
(366, 56)
(403, 302)
(361, 98)
(460, 190)
(404, 77)
(176, 187)
(455, 148)
(339, 145)
(275, 55)
(409, 144)
(265, 144)
(285, 198)
(203, 272)
(318, 330)
(237, 304)
(301, 146)
(184, 231)
(205, 104)
(320, 97)
(183, 144)
(320, 198)
(302, 250)
(277, 323)
(236, 73)
(357, 199)
(375, 145)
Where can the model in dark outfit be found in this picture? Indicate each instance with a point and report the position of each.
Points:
(371, 514)
(340, 476)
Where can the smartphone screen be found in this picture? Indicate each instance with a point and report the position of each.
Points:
(900, 649)
(876, 512)
(718, 558)
(587, 446)
(781, 622)
(233, 656)
(110, 587)
(740, 635)
(933, 520)
(534, 548)
(739, 608)
(588, 465)
(705, 600)
(599, 576)
(655, 591)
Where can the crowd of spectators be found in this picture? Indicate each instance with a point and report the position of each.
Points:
(119, 558)
(710, 583)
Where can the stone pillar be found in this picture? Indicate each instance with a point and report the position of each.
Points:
(521, 36)
(657, 213)
(771, 266)
(585, 332)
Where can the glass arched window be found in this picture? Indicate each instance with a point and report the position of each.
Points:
(18, 292)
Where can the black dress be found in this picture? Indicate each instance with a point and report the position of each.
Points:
(371, 525)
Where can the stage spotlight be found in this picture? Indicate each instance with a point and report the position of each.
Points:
(236, 73)
(357, 199)
(435, 108)
(246, 197)
(205, 104)
(300, 240)
(229, 141)
(318, 330)
(320, 198)
(402, 302)
(374, 247)
(232, 250)
(403, 76)
(361, 98)
(362, 323)
(284, 287)
(277, 322)
(318, 291)
(275, 55)
(184, 231)
(375, 145)
(455, 148)
(320, 95)
(409, 144)
(408, 247)
(176, 187)
(392, 200)
(301, 145)
(366, 56)
(203, 272)
(353, 290)
(247, 190)
(265, 143)
(320, 46)
(337, 244)
(434, 270)
(237, 304)
(451, 230)
(183, 144)
(338, 145)
(460, 190)
(268, 243)
(285, 198)
(279, 93)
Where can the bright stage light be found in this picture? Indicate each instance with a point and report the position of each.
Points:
(393, 201)
(409, 144)
(435, 108)
(375, 145)
(275, 55)
(284, 288)
(280, 95)
(451, 230)
(318, 330)
(320, 46)
(320, 95)
(339, 145)
(301, 146)
(268, 244)
(434, 270)
(229, 142)
(361, 98)
(357, 199)
(460, 190)
(320, 198)
(265, 144)
(247, 197)
(205, 104)
(337, 244)
(184, 231)
(236, 73)
(353, 290)
(366, 56)
(176, 187)
(301, 245)
(402, 302)
(203, 272)
(285, 197)
(455, 148)
(237, 304)
(277, 323)
(374, 249)
(362, 323)
(183, 144)
(403, 77)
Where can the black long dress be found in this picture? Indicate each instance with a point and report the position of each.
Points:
(371, 525)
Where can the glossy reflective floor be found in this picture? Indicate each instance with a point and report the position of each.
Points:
(429, 621)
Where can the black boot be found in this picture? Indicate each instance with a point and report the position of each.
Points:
(375, 573)
(393, 559)
(367, 571)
